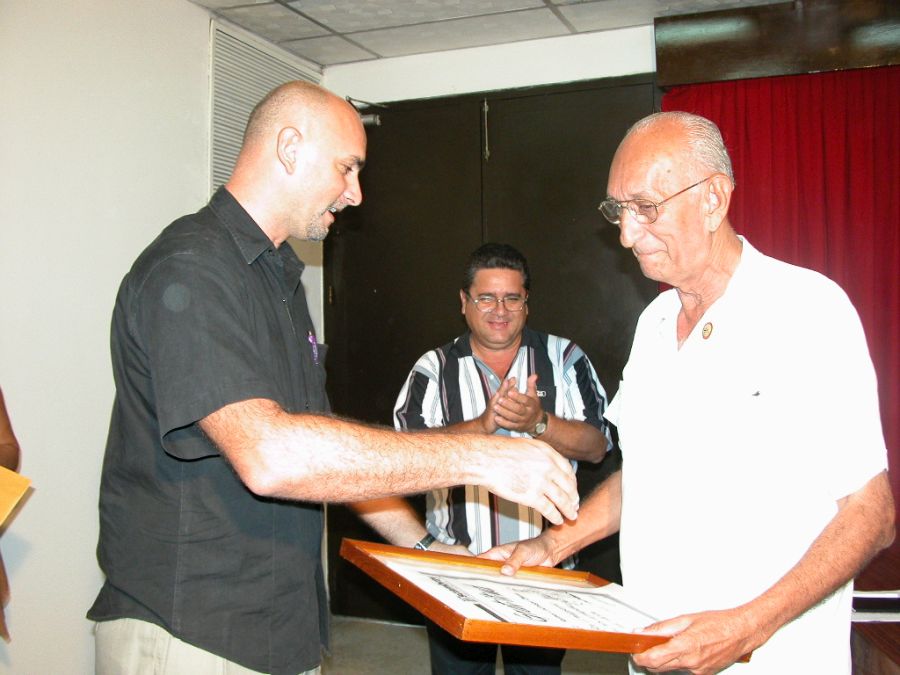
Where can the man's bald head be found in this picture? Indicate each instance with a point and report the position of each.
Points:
(299, 164)
(282, 105)
(701, 138)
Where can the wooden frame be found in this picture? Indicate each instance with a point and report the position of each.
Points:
(473, 622)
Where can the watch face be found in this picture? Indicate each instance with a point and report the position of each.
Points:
(541, 426)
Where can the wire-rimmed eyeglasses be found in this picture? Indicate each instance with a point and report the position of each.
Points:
(488, 303)
(643, 210)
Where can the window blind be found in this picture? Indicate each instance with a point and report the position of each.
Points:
(242, 73)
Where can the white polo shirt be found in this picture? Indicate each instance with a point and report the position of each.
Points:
(737, 446)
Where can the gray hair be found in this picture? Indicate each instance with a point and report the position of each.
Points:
(703, 138)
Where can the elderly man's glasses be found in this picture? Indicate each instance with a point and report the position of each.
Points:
(488, 303)
(643, 210)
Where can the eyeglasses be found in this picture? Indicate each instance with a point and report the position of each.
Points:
(643, 210)
(488, 303)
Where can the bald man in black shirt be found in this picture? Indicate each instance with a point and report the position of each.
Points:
(221, 447)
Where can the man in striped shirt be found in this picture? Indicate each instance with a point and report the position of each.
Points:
(500, 377)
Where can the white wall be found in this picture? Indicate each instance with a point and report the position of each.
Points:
(104, 127)
(104, 108)
(551, 60)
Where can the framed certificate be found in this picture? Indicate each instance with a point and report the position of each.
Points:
(539, 606)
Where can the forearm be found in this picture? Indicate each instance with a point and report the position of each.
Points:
(393, 518)
(9, 445)
(474, 426)
(9, 456)
(863, 526)
(322, 458)
(572, 439)
(598, 517)
(575, 439)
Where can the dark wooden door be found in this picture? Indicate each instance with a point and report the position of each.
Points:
(526, 167)
(391, 270)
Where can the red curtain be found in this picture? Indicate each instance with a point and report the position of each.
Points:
(817, 166)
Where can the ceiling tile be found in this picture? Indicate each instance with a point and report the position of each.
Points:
(273, 22)
(385, 28)
(460, 33)
(347, 16)
(327, 51)
(588, 16)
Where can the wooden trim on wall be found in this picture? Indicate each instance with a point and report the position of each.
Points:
(789, 38)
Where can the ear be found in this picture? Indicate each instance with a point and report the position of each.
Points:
(462, 299)
(717, 201)
(288, 148)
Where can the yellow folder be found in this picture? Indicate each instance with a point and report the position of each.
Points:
(12, 487)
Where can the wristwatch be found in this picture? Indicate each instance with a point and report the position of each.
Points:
(541, 426)
(424, 542)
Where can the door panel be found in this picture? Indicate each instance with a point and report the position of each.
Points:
(393, 266)
(546, 175)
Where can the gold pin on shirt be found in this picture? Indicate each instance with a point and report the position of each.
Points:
(707, 330)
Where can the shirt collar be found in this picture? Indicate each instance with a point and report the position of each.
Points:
(750, 258)
(247, 235)
(670, 303)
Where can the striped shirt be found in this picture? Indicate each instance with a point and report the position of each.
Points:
(450, 385)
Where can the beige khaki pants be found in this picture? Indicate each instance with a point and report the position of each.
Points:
(132, 647)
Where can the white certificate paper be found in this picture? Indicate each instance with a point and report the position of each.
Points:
(523, 599)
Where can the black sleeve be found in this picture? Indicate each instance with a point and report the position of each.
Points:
(197, 332)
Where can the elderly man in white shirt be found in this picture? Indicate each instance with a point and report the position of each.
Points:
(754, 482)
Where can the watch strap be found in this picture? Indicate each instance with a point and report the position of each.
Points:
(424, 542)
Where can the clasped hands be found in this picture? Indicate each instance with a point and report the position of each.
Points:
(511, 409)
(537, 475)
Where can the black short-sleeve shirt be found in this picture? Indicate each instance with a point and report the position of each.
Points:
(211, 313)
